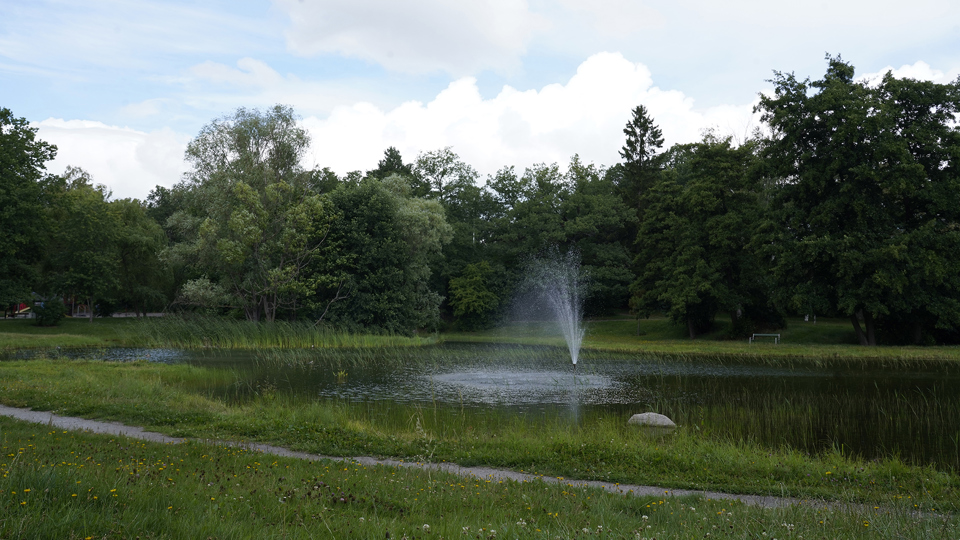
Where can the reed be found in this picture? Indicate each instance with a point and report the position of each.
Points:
(220, 333)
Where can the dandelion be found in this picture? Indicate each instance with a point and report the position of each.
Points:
(426, 528)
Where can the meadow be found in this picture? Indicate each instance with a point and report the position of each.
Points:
(865, 498)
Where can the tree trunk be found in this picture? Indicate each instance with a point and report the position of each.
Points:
(90, 307)
(871, 335)
(868, 337)
(917, 332)
(252, 312)
(692, 329)
(734, 321)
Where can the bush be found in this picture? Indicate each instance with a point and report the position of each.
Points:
(50, 312)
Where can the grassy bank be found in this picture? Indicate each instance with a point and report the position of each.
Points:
(826, 341)
(823, 342)
(172, 399)
(108, 487)
(188, 333)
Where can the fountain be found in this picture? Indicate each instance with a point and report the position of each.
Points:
(559, 278)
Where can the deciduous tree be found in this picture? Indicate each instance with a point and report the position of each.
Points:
(22, 159)
(253, 223)
(868, 202)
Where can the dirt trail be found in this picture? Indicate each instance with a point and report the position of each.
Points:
(486, 473)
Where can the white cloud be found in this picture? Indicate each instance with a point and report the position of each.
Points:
(919, 70)
(415, 36)
(129, 162)
(220, 88)
(617, 18)
(585, 116)
(251, 72)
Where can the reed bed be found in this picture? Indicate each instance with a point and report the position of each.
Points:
(219, 333)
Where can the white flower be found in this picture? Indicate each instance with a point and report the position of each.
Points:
(426, 528)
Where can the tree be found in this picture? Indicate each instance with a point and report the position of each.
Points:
(868, 196)
(471, 296)
(594, 222)
(392, 163)
(81, 257)
(698, 249)
(22, 158)
(641, 163)
(440, 175)
(547, 209)
(141, 274)
(253, 222)
(375, 269)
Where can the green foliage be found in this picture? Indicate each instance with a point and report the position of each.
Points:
(375, 268)
(49, 312)
(22, 158)
(641, 162)
(474, 304)
(868, 201)
(252, 224)
(81, 245)
(441, 174)
(143, 277)
(392, 163)
(546, 209)
(698, 247)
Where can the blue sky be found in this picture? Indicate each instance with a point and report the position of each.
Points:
(121, 86)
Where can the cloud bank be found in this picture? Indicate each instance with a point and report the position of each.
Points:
(129, 162)
(414, 37)
(585, 116)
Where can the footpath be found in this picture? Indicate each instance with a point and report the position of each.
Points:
(485, 473)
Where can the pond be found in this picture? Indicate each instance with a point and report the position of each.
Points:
(855, 408)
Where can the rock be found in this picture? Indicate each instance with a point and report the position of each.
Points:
(651, 419)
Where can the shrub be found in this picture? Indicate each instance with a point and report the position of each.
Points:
(50, 312)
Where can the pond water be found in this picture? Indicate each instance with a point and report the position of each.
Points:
(854, 407)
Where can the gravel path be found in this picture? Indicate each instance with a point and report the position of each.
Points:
(486, 473)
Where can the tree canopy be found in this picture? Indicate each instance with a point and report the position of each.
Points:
(847, 205)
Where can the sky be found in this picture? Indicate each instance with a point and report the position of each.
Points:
(122, 86)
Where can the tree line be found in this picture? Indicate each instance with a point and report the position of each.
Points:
(846, 205)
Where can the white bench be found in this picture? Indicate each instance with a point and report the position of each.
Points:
(776, 337)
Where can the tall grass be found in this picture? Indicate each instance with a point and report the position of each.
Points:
(219, 333)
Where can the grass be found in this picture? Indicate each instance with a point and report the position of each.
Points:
(188, 333)
(826, 342)
(55, 484)
(173, 399)
(910, 500)
(16, 334)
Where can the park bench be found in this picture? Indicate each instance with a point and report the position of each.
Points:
(776, 337)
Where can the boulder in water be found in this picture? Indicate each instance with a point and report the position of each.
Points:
(651, 419)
